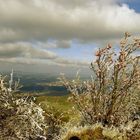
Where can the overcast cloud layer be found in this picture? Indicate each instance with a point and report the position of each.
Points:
(31, 31)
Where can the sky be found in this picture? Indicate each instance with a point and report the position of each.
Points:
(61, 36)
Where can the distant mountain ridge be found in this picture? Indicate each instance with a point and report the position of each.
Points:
(40, 83)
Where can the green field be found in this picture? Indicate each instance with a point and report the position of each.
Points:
(59, 102)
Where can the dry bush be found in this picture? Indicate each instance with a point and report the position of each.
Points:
(55, 120)
(112, 96)
(20, 118)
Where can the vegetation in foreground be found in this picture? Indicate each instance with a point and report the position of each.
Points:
(104, 108)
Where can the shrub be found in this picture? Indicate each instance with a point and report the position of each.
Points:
(20, 118)
(55, 119)
(111, 96)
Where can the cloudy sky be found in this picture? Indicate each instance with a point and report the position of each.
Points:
(56, 36)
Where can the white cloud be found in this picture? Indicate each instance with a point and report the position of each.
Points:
(30, 28)
(24, 50)
(25, 53)
(71, 62)
(64, 44)
(83, 20)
